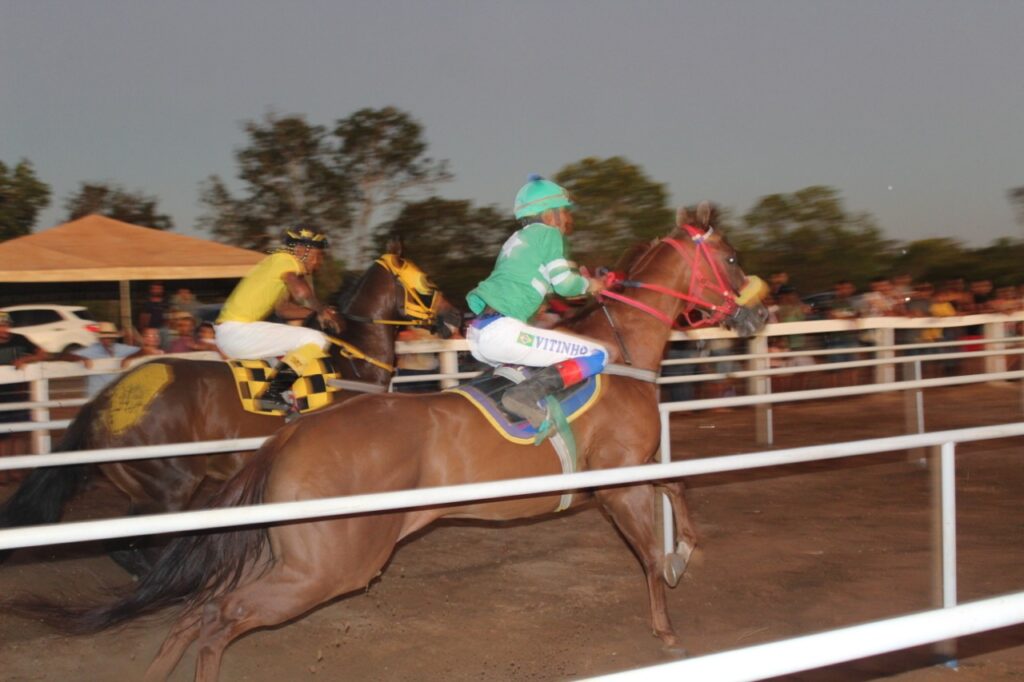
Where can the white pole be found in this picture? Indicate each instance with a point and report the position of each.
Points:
(39, 392)
(208, 447)
(835, 646)
(34, 536)
(666, 505)
(948, 524)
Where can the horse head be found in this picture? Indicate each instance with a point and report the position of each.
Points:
(406, 296)
(698, 282)
(739, 304)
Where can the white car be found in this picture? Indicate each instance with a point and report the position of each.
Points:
(54, 328)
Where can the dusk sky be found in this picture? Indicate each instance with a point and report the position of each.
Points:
(912, 109)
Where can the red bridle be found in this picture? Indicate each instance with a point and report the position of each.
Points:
(700, 282)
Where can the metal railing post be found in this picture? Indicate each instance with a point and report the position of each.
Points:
(995, 330)
(39, 391)
(885, 336)
(665, 457)
(758, 345)
(449, 364)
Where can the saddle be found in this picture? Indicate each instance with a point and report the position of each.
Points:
(565, 406)
(312, 389)
(485, 393)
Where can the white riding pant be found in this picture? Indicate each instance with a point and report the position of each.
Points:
(506, 340)
(256, 340)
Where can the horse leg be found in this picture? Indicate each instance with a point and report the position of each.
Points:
(685, 533)
(631, 509)
(167, 486)
(138, 554)
(183, 633)
(281, 594)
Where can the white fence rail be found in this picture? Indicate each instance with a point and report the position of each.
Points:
(998, 341)
(428, 497)
(836, 646)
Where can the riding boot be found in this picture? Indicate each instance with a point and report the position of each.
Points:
(524, 398)
(273, 398)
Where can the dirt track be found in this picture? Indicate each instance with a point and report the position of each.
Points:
(785, 551)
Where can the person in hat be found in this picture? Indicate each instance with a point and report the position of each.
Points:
(16, 350)
(185, 333)
(533, 263)
(107, 346)
(281, 283)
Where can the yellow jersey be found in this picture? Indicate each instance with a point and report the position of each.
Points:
(260, 290)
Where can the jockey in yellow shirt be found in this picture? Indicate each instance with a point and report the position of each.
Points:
(281, 283)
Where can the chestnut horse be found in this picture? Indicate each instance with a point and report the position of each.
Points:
(229, 583)
(201, 403)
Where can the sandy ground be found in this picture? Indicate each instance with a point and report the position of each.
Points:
(785, 551)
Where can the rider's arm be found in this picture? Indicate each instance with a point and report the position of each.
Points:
(301, 299)
(565, 279)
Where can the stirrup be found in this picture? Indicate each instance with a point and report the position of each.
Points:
(278, 403)
(532, 412)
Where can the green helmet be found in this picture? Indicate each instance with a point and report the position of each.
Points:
(538, 195)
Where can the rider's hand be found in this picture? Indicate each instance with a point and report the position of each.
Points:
(595, 285)
(329, 319)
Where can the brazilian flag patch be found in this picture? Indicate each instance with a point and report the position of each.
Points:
(525, 339)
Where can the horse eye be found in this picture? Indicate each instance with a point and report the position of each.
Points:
(731, 260)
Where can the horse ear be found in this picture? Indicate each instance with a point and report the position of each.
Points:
(395, 245)
(682, 216)
(704, 214)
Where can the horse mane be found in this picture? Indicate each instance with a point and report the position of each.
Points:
(350, 286)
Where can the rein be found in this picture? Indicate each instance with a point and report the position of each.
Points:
(400, 323)
(350, 352)
(698, 284)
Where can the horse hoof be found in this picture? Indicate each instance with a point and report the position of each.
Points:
(676, 651)
(675, 566)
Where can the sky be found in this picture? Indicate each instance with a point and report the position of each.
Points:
(912, 109)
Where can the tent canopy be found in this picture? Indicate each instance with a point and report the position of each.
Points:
(100, 249)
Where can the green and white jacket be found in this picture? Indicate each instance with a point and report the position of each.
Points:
(531, 265)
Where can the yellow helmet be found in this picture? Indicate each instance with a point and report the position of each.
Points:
(305, 236)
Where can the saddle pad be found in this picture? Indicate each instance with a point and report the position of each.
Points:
(486, 390)
(312, 390)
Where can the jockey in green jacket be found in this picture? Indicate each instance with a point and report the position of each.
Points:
(532, 264)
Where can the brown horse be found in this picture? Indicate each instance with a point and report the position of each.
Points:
(201, 403)
(233, 582)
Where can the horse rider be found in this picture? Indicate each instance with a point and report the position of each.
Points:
(281, 283)
(532, 264)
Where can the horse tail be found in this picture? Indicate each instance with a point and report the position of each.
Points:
(193, 570)
(41, 496)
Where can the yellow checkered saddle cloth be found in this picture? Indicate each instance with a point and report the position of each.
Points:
(312, 390)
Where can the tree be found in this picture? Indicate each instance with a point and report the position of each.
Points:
(616, 205)
(453, 241)
(117, 203)
(338, 181)
(289, 177)
(933, 260)
(812, 237)
(22, 197)
(1016, 196)
(382, 155)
